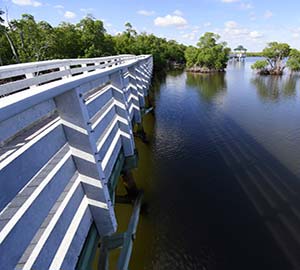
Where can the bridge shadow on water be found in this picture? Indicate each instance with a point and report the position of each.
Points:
(224, 202)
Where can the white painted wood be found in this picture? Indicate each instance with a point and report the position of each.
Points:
(92, 114)
(58, 69)
(13, 221)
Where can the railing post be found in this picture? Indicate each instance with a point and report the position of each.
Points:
(79, 134)
(66, 67)
(134, 89)
(30, 76)
(128, 140)
(84, 65)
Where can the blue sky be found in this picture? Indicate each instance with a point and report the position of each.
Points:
(251, 23)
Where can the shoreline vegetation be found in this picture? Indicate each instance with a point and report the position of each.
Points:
(26, 40)
(197, 69)
(254, 54)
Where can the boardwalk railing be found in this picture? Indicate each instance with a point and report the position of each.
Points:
(63, 124)
(19, 77)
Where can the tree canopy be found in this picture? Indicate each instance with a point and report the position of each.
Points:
(261, 66)
(209, 56)
(274, 53)
(293, 62)
(26, 40)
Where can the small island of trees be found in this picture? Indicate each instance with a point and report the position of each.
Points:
(210, 56)
(277, 56)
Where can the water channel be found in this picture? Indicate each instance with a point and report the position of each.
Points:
(221, 172)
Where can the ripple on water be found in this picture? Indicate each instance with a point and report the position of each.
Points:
(219, 144)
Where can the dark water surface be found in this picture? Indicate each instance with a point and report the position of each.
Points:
(221, 173)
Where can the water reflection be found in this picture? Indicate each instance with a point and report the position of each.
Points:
(175, 73)
(158, 79)
(237, 64)
(274, 88)
(209, 85)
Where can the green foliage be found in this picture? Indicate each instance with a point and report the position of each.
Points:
(294, 60)
(31, 39)
(208, 40)
(8, 53)
(67, 42)
(164, 52)
(274, 53)
(210, 54)
(5, 51)
(191, 55)
(27, 40)
(4, 48)
(254, 54)
(260, 64)
(94, 41)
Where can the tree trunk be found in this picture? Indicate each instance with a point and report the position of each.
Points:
(12, 46)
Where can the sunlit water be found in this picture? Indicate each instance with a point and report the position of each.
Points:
(222, 165)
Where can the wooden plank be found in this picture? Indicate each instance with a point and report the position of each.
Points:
(12, 87)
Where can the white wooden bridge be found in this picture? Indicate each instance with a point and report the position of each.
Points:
(63, 126)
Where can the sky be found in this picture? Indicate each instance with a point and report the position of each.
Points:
(251, 23)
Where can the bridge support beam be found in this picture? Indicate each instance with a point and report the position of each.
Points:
(130, 184)
(140, 132)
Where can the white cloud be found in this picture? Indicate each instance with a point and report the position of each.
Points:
(59, 7)
(268, 14)
(27, 3)
(170, 20)
(69, 15)
(236, 32)
(207, 24)
(146, 12)
(256, 34)
(233, 32)
(178, 12)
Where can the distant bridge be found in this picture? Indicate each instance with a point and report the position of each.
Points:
(65, 134)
